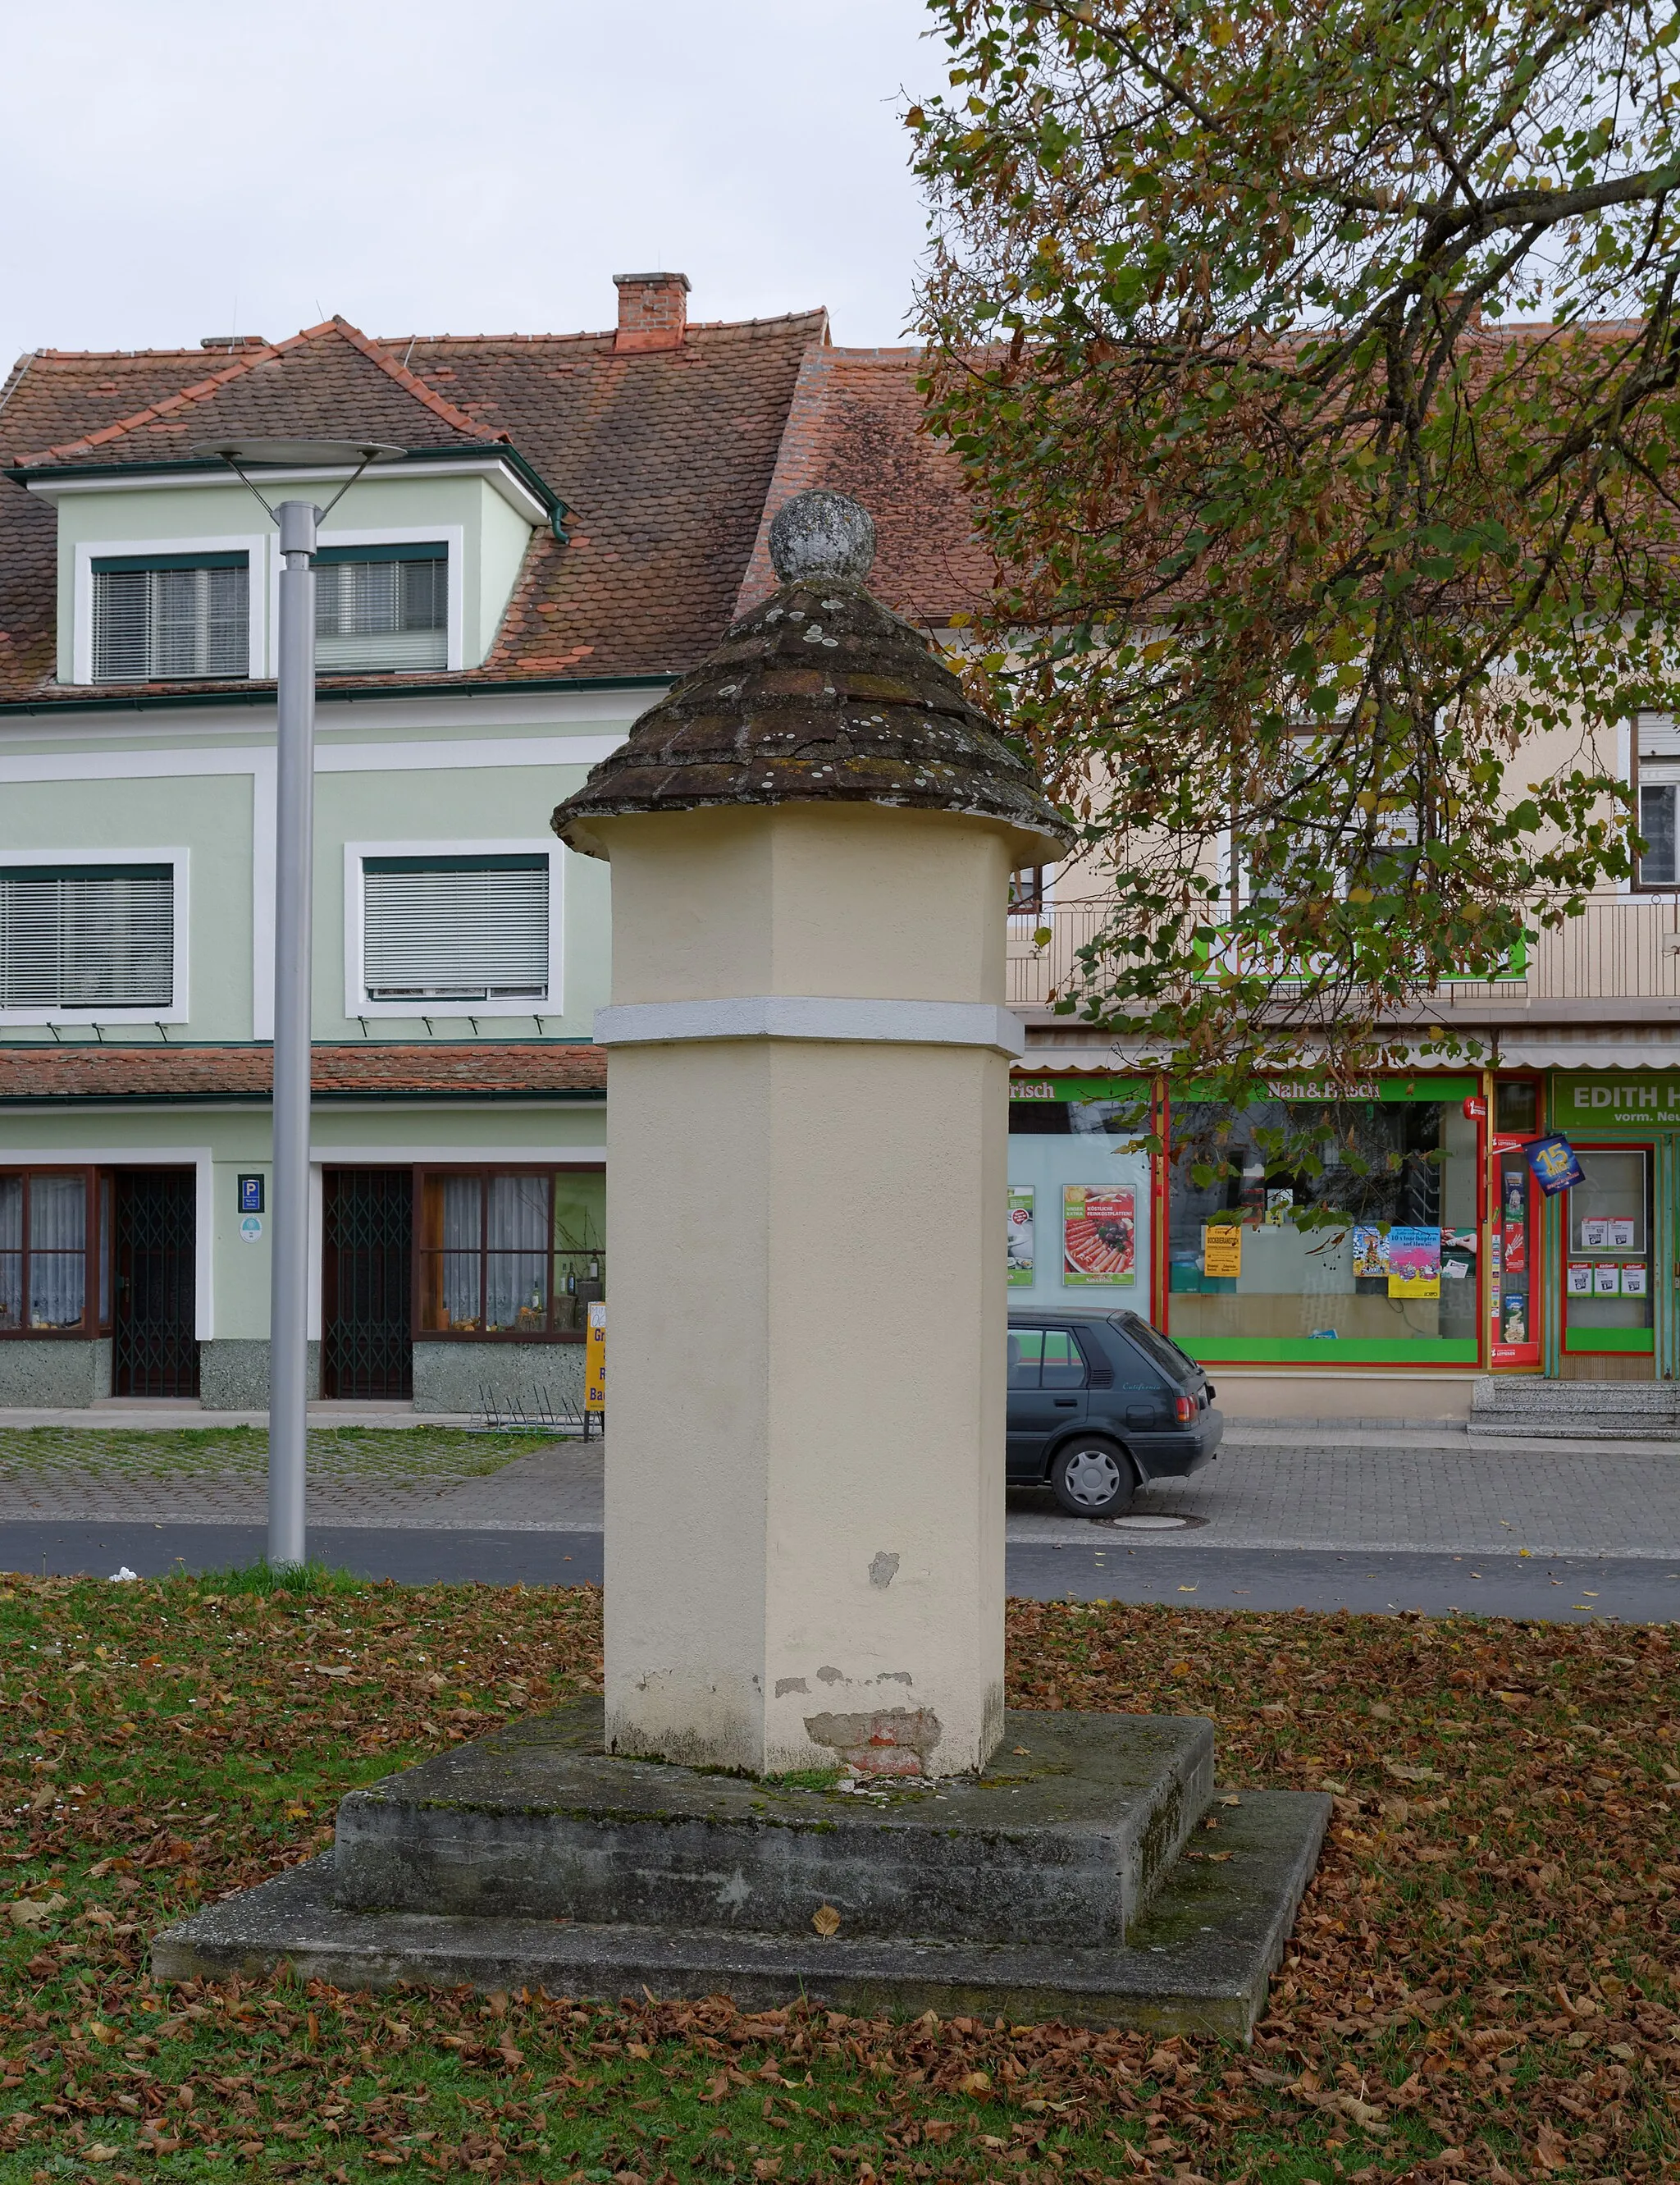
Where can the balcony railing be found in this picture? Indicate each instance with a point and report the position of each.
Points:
(1620, 947)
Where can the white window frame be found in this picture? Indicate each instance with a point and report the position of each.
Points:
(179, 862)
(1028, 921)
(452, 537)
(356, 1002)
(262, 589)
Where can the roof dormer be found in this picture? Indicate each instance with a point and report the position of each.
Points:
(168, 568)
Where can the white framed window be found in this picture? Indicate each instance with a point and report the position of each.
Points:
(169, 610)
(94, 937)
(382, 607)
(392, 598)
(1656, 777)
(452, 929)
(162, 616)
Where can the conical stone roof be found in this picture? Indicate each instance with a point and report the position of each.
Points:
(820, 694)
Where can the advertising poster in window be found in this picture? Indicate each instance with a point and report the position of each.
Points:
(1099, 1236)
(1222, 1251)
(1020, 1236)
(1371, 1253)
(1414, 1262)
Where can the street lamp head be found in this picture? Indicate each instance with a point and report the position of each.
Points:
(269, 455)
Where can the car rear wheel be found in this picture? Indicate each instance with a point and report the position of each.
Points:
(1093, 1478)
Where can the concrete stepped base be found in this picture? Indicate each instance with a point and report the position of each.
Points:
(1198, 1962)
(1085, 1875)
(1070, 1831)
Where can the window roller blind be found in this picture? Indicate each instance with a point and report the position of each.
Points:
(88, 938)
(382, 606)
(455, 929)
(170, 617)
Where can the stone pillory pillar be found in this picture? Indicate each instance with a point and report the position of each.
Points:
(811, 839)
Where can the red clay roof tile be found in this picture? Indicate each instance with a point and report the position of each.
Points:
(670, 461)
(377, 1069)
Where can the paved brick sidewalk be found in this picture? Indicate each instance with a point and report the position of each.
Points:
(397, 1479)
(1269, 1489)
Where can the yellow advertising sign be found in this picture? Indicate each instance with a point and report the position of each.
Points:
(594, 1360)
(1222, 1249)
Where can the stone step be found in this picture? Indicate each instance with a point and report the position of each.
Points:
(1523, 1406)
(1524, 1395)
(1198, 1962)
(1063, 1842)
(1633, 1433)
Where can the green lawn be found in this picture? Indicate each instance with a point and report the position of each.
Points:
(1481, 1986)
(439, 1454)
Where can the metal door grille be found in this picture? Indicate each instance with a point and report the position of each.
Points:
(153, 1350)
(368, 1219)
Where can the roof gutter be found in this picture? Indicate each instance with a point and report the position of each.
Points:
(263, 693)
(44, 478)
(386, 1096)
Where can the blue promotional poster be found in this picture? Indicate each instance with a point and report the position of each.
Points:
(1553, 1163)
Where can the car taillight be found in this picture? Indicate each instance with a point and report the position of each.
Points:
(1185, 1407)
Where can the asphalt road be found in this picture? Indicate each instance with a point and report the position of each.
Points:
(1562, 1589)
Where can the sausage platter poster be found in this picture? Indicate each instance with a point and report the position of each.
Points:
(1099, 1236)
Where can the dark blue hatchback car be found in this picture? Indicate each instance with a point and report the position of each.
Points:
(1101, 1402)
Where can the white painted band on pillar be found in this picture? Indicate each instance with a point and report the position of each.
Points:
(813, 1016)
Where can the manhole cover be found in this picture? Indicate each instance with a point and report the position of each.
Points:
(1150, 1525)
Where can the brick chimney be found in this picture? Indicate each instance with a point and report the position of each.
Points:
(653, 310)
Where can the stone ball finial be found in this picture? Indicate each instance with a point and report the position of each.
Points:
(821, 533)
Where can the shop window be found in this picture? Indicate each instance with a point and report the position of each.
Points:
(1608, 1304)
(45, 1233)
(510, 1254)
(1516, 1108)
(1078, 1193)
(1656, 765)
(87, 937)
(1363, 1246)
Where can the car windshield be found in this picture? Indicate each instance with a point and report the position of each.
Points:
(1153, 1344)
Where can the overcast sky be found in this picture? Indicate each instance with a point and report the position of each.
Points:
(171, 170)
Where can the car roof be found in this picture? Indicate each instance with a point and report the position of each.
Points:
(1028, 1313)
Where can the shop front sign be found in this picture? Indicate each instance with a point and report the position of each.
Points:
(1624, 1100)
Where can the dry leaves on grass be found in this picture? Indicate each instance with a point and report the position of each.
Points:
(1480, 1985)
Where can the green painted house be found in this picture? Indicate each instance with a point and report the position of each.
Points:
(575, 520)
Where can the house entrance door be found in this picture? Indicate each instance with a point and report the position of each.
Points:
(367, 1349)
(154, 1350)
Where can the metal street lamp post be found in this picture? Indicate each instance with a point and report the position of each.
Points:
(299, 522)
